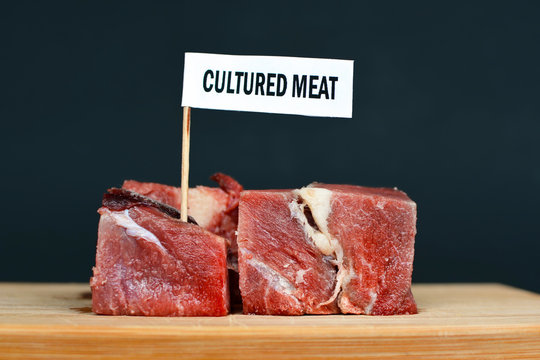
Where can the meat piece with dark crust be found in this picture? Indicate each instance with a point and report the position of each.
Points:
(148, 262)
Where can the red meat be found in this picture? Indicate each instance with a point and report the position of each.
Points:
(327, 249)
(215, 209)
(150, 263)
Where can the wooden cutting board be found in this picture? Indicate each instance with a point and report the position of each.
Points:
(456, 321)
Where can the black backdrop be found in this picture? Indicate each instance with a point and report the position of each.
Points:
(446, 107)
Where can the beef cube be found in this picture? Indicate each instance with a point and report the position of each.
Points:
(149, 262)
(327, 249)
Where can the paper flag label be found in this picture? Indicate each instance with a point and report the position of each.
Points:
(272, 84)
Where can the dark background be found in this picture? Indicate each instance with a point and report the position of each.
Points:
(446, 107)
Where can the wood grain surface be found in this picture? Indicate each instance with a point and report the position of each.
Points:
(456, 321)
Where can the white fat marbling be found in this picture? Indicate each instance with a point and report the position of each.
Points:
(275, 279)
(300, 276)
(122, 219)
(319, 203)
(373, 298)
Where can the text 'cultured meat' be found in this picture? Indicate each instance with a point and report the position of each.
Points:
(149, 262)
(326, 249)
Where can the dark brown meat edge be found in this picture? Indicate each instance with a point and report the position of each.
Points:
(121, 199)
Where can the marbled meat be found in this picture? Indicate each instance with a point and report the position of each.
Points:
(326, 249)
(149, 262)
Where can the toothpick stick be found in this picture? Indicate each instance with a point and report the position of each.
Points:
(185, 162)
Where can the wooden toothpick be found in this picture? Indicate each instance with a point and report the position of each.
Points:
(185, 162)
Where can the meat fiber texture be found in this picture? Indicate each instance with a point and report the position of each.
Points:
(215, 209)
(326, 249)
(149, 262)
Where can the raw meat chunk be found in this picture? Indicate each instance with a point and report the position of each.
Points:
(148, 262)
(353, 245)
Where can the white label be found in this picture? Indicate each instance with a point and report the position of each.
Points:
(272, 84)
